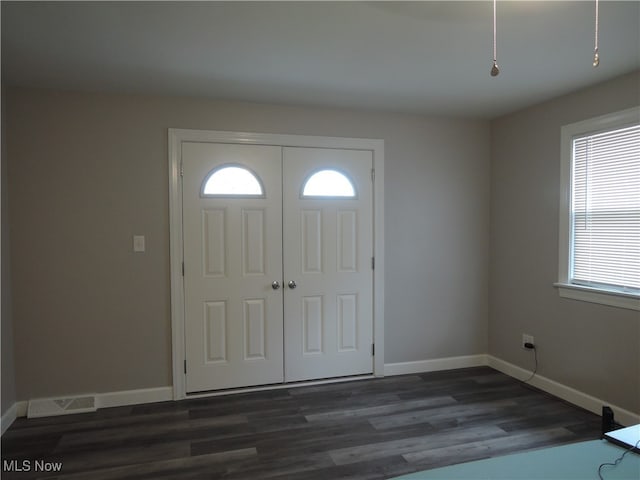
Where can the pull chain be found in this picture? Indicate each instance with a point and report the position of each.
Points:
(596, 57)
(494, 69)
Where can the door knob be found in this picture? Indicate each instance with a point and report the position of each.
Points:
(292, 284)
(275, 285)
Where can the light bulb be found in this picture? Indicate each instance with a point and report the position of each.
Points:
(596, 59)
(495, 70)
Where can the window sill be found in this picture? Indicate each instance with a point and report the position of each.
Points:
(596, 295)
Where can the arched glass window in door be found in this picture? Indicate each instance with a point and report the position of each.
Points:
(328, 183)
(232, 180)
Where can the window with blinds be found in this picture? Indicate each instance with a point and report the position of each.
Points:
(604, 247)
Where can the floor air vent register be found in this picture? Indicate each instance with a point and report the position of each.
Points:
(47, 407)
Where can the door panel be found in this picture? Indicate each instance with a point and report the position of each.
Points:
(232, 254)
(239, 331)
(328, 246)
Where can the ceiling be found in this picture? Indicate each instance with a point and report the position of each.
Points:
(417, 57)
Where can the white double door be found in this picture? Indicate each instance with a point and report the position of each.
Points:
(278, 287)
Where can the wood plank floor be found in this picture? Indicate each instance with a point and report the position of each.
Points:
(367, 429)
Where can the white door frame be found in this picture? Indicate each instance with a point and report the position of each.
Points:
(176, 137)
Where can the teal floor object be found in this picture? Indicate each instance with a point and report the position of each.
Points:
(578, 461)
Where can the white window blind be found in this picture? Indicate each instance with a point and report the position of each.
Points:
(605, 210)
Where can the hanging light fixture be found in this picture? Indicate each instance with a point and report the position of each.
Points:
(596, 57)
(494, 69)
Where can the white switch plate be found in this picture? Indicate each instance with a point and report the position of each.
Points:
(138, 243)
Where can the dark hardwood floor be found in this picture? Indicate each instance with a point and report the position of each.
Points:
(367, 429)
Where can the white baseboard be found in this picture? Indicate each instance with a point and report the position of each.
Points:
(134, 397)
(21, 408)
(581, 399)
(8, 418)
(436, 364)
(571, 395)
(103, 400)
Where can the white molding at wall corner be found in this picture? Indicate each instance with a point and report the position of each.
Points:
(436, 364)
(571, 395)
(8, 418)
(22, 407)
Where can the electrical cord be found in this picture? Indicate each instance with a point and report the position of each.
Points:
(617, 461)
(531, 346)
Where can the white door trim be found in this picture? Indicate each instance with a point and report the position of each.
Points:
(176, 137)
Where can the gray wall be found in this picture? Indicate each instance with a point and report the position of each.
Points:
(8, 388)
(87, 171)
(592, 348)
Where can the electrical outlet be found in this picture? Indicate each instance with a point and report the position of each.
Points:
(527, 339)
